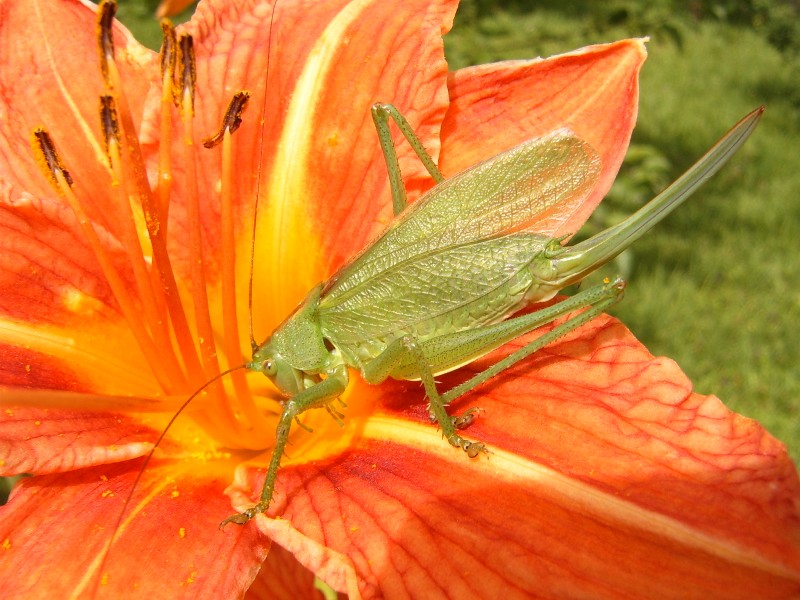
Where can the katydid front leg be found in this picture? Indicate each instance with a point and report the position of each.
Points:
(408, 358)
(401, 351)
(316, 396)
(380, 116)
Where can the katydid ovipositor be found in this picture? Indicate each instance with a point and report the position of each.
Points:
(435, 291)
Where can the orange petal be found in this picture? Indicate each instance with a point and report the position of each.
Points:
(55, 528)
(384, 52)
(593, 91)
(47, 272)
(56, 302)
(608, 477)
(398, 521)
(60, 325)
(50, 55)
(44, 441)
(322, 166)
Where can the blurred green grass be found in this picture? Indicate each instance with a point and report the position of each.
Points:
(717, 286)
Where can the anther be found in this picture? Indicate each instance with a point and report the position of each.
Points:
(231, 120)
(168, 53)
(105, 40)
(186, 73)
(48, 158)
(110, 123)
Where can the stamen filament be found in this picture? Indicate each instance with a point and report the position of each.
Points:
(243, 399)
(164, 164)
(48, 159)
(130, 239)
(202, 316)
(168, 290)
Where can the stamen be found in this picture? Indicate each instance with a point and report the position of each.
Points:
(105, 40)
(231, 120)
(242, 398)
(131, 241)
(110, 124)
(187, 73)
(205, 330)
(132, 157)
(164, 186)
(47, 157)
(167, 55)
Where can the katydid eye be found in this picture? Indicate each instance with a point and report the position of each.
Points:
(268, 367)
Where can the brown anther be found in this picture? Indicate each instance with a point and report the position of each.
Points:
(168, 54)
(48, 159)
(109, 121)
(186, 72)
(105, 40)
(231, 120)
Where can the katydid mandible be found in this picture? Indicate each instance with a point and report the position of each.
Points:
(438, 288)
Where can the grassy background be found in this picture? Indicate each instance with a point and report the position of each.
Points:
(717, 285)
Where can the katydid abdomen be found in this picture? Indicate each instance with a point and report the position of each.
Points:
(455, 289)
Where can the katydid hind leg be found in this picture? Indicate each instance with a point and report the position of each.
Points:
(596, 300)
(316, 396)
(440, 353)
(381, 113)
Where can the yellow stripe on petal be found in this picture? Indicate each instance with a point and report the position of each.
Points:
(296, 261)
(567, 491)
(99, 357)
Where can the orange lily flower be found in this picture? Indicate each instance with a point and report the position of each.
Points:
(127, 290)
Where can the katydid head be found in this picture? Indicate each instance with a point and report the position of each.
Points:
(269, 361)
(295, 350)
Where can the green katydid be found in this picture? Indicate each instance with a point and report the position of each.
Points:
(439, 287)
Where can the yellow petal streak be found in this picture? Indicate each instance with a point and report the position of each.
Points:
(291, 274)
(112, 369)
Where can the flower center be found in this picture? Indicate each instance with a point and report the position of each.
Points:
(185, 343)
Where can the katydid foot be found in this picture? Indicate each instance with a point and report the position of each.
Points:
(243, 517)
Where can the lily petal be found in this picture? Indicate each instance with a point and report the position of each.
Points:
(65, 441)
(282, 576)
(49, 279)
(593, 91)
(610, 458)
(608, 475)
(161, 550)
(316, 161)
(53, 87)
(169, 8)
